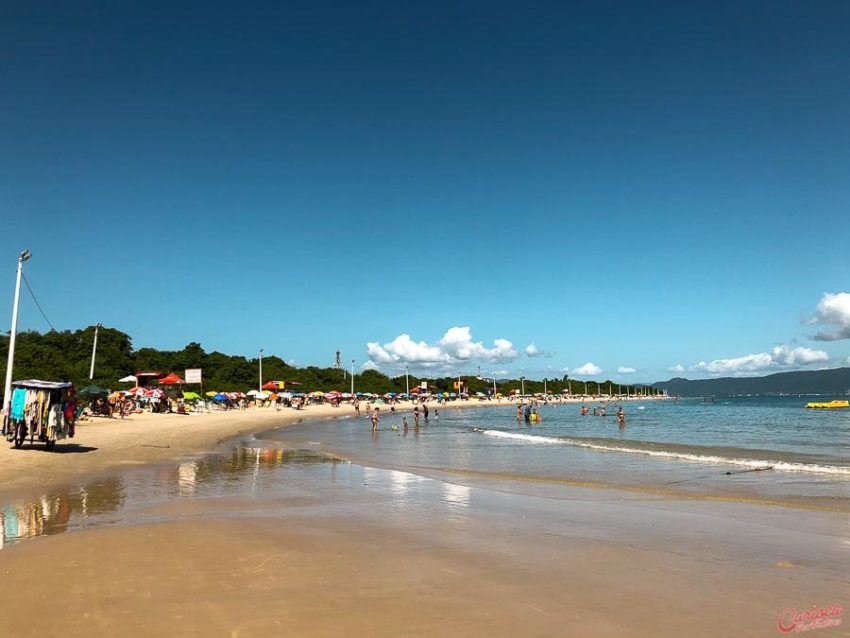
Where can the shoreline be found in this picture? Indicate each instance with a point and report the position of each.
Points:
(101, 445)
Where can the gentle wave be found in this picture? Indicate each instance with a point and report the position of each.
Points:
(684, 456)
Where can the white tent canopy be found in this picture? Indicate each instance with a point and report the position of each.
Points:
(128, 379)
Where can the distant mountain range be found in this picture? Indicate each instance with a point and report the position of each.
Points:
(835, 381)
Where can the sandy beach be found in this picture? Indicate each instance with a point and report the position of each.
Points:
(337, 547)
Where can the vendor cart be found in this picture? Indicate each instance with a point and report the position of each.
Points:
(41, 410)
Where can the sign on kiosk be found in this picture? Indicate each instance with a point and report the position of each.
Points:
(193, 375)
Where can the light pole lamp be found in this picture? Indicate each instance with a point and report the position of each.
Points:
(352, 378)
(7, 392)
(260, 387)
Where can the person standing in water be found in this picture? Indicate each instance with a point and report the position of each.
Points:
(375, 419)
(621, 417)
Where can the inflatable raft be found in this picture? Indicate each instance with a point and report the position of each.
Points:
(829, 405)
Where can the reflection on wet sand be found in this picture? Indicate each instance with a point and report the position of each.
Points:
(66, 509)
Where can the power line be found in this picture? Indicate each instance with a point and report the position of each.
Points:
(38, 305)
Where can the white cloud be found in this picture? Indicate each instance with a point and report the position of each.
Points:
(292, 363)
(531, 350)
(625, 370)
(588, 369)
(781, 357)
(833, 310)
(454, 347)
(369, 365)
(677, 368)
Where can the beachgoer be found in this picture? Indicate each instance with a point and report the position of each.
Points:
(425, 411)
(404, 423)
(621, 416)
(375, 421)
(595, 412)
(436, 413)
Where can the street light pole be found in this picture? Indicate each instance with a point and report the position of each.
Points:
(352, 377)
(94, 351)
(260, 387)
(522, 385)
(7, 393)
(407, 379)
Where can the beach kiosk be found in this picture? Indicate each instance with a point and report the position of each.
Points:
(43, 410)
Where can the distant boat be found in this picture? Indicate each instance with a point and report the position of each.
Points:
(828, 405)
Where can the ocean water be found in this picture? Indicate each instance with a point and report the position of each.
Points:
(762, 448)
(666, 450)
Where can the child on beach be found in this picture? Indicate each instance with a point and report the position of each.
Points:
(404, 423)
(375, 420)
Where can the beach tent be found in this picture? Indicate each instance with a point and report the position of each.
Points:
(130, 378)
(93, 391)
(171, 379)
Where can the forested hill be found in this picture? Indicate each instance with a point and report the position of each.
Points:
(835, 381)
(66, 356)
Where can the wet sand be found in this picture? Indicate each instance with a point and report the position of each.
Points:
(321, 549)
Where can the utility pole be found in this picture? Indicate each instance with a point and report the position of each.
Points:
(260, 387)
(407, 379)
(7, 394)
(94, 351)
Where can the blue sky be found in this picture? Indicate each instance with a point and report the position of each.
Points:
(631, 186)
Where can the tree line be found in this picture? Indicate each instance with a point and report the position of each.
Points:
(66, 356)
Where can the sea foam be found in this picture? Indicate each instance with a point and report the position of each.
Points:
(679, 456)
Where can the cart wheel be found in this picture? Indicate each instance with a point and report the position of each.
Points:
(49, 444)
(20, 435)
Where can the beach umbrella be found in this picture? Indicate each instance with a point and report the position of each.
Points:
(154, 394)
(191, 396)
(171, 379)
(270, 385)
(220, 397)
(130, 378)
(286, 395)
(211, 394)
(254, 393)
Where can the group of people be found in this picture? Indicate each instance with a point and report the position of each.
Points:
(373, 412)
(621, 413)
(529, 415)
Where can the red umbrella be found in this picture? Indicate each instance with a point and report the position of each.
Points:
(171, 379)
(271, 385)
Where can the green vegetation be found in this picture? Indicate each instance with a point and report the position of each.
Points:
(66, 356)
